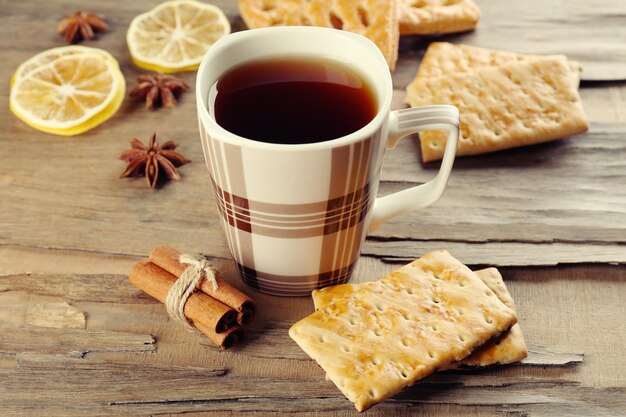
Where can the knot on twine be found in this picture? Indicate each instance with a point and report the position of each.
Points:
(198, 269)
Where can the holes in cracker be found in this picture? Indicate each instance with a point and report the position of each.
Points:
(434, 144)
(488, 320)
(371, 393)
(267, 6)
(352, 321)
(379, 307)
(418, 3)
(365, 19)
(462, 338)
(321, 339)
(375, 361)
(404, 315)
(404, 342)
(335, 21)
(431, 355)
(404, 374)
(345, 348)
(434, 328)
(377, 332)
(436, 301)
(277, 21)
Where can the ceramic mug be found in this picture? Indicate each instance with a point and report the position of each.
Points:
(295, 216)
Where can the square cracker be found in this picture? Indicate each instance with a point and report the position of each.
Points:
(389, 334)
(428, 17)
(374, 19)
(508, 106)
(443, 58)
(507, 348)
(510, 346)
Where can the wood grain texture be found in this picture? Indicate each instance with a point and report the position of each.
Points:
(539, 27)
(540, 356)
(556, 203)
(499, 253)
(574, 188)
(186, 374)
(71, 342)
(571, 190)
(70, 230)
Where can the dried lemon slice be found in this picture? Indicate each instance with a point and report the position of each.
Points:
(69, 95)
(50, 55)
(175, 35)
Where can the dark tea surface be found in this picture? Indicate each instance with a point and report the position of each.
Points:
(292, 100)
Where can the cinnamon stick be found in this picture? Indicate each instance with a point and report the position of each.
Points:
(167, 258)
(224, 340)
(210, 316)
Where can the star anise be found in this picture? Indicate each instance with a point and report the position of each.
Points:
(149, 160)
(81, 25)
(158, 90)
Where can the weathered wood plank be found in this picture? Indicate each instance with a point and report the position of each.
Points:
(499, 253)
(103, 288)
(534, 27)
(539, 355)
(577, 194)
(567, 191)
(22, 308)
(17, 339)
(184, 375)
(182, 390)
(63, 193)
(36, 360)
(527, 27)
(17, 260)
(568, 195)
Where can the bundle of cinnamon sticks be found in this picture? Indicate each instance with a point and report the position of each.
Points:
(220, 314)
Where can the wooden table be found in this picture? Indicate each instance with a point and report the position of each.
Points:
(552, 217)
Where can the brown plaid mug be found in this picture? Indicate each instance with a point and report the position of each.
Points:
(295, 216)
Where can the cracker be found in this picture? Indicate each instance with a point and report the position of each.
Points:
(508, 106)
(443, 58)
(265, 13)
(374, 19)
(428, 17)
(507, 348)
(388, 334)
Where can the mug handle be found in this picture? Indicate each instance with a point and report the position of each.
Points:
(402, 123)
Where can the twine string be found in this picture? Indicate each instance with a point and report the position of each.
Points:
(198, 269)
